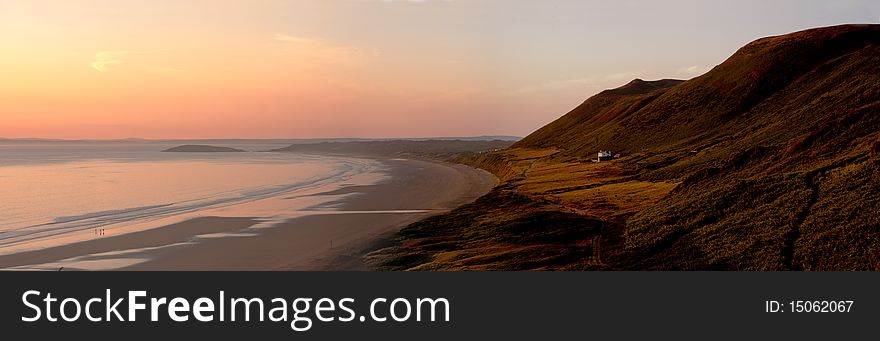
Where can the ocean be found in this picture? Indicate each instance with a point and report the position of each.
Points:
(55, 193)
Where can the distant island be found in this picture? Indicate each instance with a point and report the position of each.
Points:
(197, 148)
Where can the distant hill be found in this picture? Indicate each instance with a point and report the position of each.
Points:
(769, 161)
(480, 138)
(198, 148)
(400, 147)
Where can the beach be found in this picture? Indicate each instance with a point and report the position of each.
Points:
(332, 235)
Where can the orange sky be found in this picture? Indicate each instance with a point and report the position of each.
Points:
(334, 68)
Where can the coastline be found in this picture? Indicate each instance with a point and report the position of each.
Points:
(365, 216)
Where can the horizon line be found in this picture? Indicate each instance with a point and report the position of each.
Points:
(49, 139)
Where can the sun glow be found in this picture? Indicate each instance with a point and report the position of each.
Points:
(321, 68)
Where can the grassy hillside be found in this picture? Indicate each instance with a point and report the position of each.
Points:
(767, 162)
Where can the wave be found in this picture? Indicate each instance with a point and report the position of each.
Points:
(97, 215)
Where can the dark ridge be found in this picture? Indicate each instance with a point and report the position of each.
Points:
(640, 87)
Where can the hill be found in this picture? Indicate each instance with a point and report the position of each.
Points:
(439, 148)
(197, 148)
(767, 162)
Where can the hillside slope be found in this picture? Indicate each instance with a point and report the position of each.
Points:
(811, 94)
(770, 161)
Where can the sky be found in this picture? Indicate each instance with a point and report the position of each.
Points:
(358, 68)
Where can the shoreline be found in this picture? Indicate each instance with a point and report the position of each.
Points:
(364, 216)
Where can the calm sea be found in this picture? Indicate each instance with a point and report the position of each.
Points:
(50, 193)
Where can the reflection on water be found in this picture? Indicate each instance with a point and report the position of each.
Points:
(59, 194)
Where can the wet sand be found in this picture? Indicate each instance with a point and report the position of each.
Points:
(333, 238)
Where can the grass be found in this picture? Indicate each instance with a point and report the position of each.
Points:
(500, 231)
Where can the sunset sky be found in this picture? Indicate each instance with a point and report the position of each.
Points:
(367, 68)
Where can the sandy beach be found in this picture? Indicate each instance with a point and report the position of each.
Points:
(332, 236)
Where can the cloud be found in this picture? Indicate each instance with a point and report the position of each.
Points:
(583, 82)
(417, 1)
(318, 51)
(292, 39)
(105, 61)
(691, 70)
